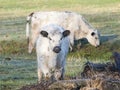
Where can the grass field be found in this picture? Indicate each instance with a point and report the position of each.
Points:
(18, 68)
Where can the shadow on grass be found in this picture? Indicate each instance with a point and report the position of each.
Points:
(81, 42)
(109, 44)
(106, 38)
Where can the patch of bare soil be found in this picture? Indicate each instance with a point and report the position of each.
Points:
(40, 86)
(95, 76)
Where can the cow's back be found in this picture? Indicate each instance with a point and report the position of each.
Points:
(67, 20)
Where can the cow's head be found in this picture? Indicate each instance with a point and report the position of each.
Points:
(55, 38)
(93, 38)
(88, 32)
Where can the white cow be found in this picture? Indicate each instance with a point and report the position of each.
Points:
(52, 47)
(74, 22)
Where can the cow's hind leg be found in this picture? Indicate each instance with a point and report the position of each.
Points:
(71, 43)
(33, 40)
(34, 36)
(30, 47)
(39, 75)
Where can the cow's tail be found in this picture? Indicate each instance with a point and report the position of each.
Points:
(28, 27)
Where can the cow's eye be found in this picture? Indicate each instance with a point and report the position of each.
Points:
(92, 33)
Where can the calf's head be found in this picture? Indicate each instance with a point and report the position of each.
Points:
(55, 38)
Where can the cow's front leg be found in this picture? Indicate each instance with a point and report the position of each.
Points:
(79, 45)
(71, 43)
(46, 71)
(62, 74)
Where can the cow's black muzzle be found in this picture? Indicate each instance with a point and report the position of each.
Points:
(57, 49)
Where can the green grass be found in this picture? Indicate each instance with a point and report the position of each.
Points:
(104, 15)
(24, 7)
(13, 40)
(16, 73)
(20, 72)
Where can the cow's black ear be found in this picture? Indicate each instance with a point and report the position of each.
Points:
(44, 33)
(93, 33)
(66, 33)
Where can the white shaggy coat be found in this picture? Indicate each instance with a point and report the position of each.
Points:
(74, 22)
(49, 61)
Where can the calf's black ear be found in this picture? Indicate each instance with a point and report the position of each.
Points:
(44, 33)
(66, 33)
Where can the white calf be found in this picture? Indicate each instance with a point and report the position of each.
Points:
(74, 22)
(52, 47)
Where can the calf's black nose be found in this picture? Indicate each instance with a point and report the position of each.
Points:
(57, 49)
